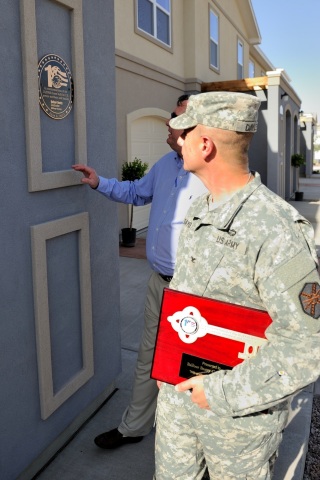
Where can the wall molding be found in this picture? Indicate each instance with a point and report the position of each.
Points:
(49, 400)
(37, 179)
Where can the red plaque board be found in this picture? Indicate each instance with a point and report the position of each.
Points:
(199, 335)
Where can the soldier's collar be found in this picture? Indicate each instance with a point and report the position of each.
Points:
(224, 214)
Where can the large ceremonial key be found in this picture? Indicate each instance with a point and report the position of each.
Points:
(199, 335)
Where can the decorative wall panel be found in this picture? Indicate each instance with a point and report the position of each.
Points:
(45, 312)
(38, 178)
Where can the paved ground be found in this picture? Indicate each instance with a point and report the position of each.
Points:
(81, 459)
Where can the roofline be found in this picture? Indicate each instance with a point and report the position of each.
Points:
(256, 51)
(246, 8)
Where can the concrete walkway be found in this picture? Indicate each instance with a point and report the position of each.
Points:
(81, 459)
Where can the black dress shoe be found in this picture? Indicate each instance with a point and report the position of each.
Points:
(114, 439)
(206, 475)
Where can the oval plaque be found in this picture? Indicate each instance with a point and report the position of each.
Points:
(55, 86)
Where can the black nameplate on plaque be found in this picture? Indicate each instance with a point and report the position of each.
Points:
(192, 366)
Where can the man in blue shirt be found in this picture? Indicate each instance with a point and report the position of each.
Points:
(171, 190)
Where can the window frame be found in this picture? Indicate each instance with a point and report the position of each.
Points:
(212, 11)
(240, 43)
(153, 38)
(251, 64)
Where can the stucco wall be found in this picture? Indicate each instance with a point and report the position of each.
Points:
(258, 153)
(24, 435)
(188, 56)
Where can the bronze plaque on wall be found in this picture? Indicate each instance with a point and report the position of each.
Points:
(55, 86)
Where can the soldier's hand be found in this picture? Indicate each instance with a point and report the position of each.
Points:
(90, 175)
(195, 385)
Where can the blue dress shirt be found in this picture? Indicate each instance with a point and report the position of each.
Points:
(171, 190)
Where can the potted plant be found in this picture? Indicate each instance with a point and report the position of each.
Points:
(297, 159)
(132, 171)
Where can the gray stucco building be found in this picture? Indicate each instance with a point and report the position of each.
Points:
(60, 338)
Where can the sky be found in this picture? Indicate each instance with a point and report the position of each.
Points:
(289, 30)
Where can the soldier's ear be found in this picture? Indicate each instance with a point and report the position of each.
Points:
(207, 146)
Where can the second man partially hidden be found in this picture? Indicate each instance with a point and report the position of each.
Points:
(171, 190)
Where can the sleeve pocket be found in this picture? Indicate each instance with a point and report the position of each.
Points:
(295, 270)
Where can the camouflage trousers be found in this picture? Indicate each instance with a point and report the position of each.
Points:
(189, 438)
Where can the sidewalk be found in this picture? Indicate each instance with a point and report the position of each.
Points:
(81, 459)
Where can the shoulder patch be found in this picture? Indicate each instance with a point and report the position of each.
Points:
(310, 299)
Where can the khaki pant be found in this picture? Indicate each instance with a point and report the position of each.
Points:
(189, 438)
(138, 418)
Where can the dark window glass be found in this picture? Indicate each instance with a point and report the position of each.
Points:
(145, 16)
(164, 4)
(214, 39)
(214, 54)
(163, 27)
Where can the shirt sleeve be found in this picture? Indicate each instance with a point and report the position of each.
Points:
(290, 360)
(139, 192)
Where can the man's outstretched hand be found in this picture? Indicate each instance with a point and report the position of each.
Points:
(90, 175)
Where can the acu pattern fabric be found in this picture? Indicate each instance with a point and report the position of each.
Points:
(258, 251)
(228, 111)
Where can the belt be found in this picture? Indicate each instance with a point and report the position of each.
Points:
(166, 278)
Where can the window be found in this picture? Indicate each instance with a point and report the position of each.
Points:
(251, 69)
(214, 40)
(240, 59)
(154, 18)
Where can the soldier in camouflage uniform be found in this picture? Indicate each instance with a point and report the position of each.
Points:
(241, 244)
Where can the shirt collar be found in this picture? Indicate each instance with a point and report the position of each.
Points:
(179, 161)
(225, 213)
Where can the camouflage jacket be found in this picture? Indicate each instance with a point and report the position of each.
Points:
(256, 250)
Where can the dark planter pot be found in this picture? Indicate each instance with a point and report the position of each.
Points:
(128, 237)
(298, 196)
